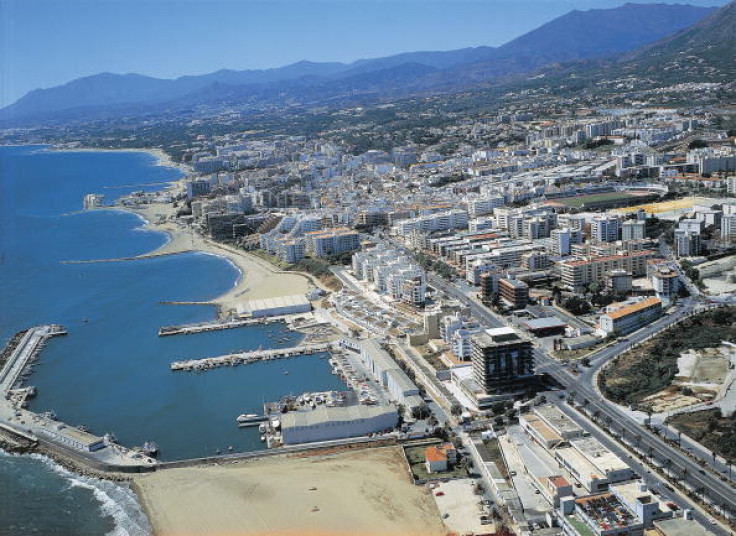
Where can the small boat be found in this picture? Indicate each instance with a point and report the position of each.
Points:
(230, 448)
(248, 417)
(85, 320)
(262, 428)
(263, 438)
(218, 451)
(286, 373)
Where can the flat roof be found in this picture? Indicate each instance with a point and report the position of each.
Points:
(546, 322)
(272, 303)
(557, 420)
(324, 414)
(541, 427)
(678, 526)
(605, 460)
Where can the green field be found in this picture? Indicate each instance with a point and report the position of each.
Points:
(578, 202)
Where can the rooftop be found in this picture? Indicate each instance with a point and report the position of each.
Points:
(627, 310)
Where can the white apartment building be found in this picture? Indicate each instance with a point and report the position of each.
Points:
(605, 228)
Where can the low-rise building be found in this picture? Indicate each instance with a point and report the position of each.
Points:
(625, 317)
(327, 423)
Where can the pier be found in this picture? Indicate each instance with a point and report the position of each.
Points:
(24, 352)
(247, 358)
(216, 325)
(28, 430)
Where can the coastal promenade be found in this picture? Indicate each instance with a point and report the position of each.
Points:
(247, 358)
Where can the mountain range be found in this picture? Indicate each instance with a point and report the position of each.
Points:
(626, 36)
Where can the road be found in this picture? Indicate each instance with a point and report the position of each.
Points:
(654, 481)
(682, 466)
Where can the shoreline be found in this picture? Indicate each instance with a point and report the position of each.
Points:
(256, 278)
(162, 158)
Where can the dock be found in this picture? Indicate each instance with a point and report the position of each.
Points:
(247, 358)
(217, 325)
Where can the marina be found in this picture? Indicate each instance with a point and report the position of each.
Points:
(247, 358)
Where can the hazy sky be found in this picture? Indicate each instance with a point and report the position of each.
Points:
(44, 43)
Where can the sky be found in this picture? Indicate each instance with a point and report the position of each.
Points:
(44, 43)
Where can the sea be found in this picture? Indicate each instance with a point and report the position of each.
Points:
(111, 372)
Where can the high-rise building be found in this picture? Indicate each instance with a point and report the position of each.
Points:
(605, 228)
(632, 230)
(503, 362)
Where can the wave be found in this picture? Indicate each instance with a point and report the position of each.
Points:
(116, 501)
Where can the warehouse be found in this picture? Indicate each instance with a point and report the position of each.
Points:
(325, 423)
(284, 305)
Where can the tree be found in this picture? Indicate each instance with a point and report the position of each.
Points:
(456, 410)
(421, 412)
(697, 144)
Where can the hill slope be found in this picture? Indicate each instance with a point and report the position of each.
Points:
(576, 35)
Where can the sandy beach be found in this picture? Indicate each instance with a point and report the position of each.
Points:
(362, 493)
(258, 279)
(162, 158)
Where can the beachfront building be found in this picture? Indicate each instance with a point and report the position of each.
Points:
(282, 305)
(327, 423)
(332, 242)
(625, 317)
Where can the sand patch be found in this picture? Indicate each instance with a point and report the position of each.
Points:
(360, 493)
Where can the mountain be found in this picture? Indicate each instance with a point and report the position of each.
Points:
(577, 35)
(704, 51)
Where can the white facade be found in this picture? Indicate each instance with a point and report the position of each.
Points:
(327, 423)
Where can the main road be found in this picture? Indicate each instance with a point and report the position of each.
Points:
(680, 465)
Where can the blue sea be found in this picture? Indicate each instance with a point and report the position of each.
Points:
(111, 373)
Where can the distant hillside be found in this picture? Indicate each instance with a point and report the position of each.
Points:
(577, 35)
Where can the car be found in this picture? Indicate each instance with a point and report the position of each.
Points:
(512, 473)
(440, 493)
(445, 515)
(537, 491)
(712, 521)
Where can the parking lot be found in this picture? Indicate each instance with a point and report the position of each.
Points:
(461, 508)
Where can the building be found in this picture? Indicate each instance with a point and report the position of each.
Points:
(389, 374)
(545, 327)
(77, 439)
(332, 242)
(563, 239)
(502, 361)
(515, 294)
(687, 242)
(605, 228)
(633, 230)
(578, 274)
(435, 459)
(665, 281)
(327, 423)
(628, 316)
(619, 281)
(283, 305)
(440, 458)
